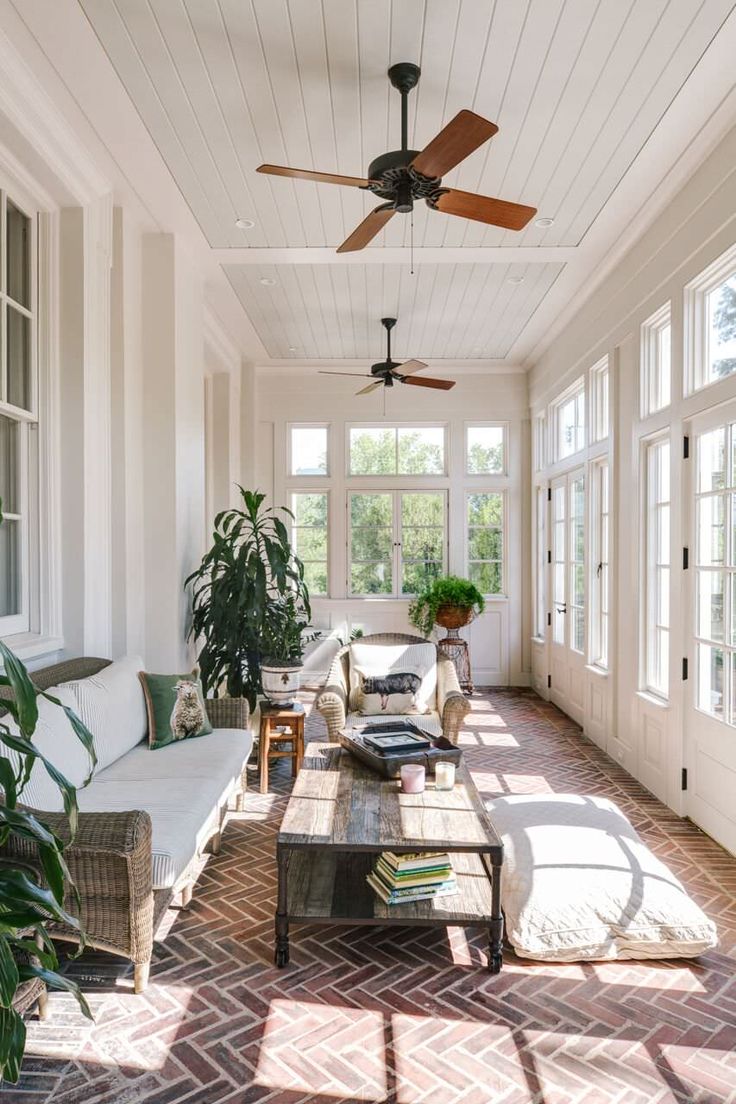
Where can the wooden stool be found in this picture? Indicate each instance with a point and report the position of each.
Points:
(291, 720)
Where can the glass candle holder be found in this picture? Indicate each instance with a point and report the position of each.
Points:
(444, 776)
(412, 778)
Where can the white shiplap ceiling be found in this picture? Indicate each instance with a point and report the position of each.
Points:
(577, 88)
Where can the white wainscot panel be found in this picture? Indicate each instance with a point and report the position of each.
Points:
(654, 721)
(539, 667)
(597, 708)
(487, 638)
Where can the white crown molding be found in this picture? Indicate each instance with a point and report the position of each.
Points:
(377, 255)
(36, 117)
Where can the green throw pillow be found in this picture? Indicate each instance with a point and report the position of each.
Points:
(176, 709)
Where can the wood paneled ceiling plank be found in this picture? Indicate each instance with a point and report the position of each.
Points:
(473, 330)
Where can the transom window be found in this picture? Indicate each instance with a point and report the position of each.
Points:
(485, 514)
(485, 449)
(656, 361)
(710, 323)
(396, 450)
(721, 330)
(570, 423)
(398, 541)
(308, 450)
(599, 386)
(309, 537)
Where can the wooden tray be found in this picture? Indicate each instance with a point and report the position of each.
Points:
(389, 766)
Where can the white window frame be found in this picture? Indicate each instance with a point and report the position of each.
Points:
(315, 490)
(327, 426)
(503, 494)
(575, 392)
(540, 433)
(600, 400)
(651, 514)
(655, 386)
(600, 568)
(697, 359)
(396, 494)
(396, 426)
(26, 515)
(504, 427)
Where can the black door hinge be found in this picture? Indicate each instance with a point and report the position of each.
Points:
(683, 783)
(549, 682)
(549, 555)
(685, 447)
(684, 669)
(685, 559)
(549, 494)
(549, 618)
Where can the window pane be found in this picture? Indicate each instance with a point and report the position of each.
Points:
(422, 509)
(664, 369)
(571, 425)
(485, 509)
(310, 544)
(371, 578)
(422, 451)
(662, 597)
(710, 680)
(9, 568)
(315, 576)
(722, 329)
(422, 544)
(309, 509)
(485, 544)
(578, 639)
(712, 460)
(9, 465)
(711, 530)
(370, 509)
(578, 584)
(309, 450)
(372, 544)
(710, 604)
(19, 358)
(373, 451)
(18, 262)
(486, 576)
(415, 576)
(485, 450)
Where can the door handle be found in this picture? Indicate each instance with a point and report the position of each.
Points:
(562, 608)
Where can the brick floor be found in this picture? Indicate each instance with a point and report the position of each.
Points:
(403, 1015)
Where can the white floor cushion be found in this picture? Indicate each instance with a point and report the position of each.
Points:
(578, 883)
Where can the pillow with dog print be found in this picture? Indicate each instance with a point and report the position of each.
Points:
(175, 706)
(392, 679)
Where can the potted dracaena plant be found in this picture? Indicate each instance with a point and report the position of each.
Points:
(250, 604)
(448, 601)
(32, 891)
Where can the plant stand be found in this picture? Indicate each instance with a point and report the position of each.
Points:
(457, 649)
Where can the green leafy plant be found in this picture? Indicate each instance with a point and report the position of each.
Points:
(248, 587)
(285, 630)
(28, 904)
(450, 590)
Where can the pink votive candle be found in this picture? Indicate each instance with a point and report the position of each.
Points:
(412, 778)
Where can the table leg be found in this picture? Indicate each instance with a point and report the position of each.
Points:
(495, 928)
(263, 758)
(281, 955)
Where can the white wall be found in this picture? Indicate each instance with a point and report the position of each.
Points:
(646, 736)
(498, 639)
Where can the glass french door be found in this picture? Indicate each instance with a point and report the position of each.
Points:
(567, 649)
(710, 715)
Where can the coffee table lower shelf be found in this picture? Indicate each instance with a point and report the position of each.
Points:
(329, 887)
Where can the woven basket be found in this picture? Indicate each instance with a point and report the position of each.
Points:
(453, 617)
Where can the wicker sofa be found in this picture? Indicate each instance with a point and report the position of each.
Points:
(146, 816)
(451, 705)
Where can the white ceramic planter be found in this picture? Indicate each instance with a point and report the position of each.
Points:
(280, 684)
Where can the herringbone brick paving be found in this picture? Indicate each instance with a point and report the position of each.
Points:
(403, 1015)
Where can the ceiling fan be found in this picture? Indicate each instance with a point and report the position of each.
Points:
(387, 371)
(403, 176)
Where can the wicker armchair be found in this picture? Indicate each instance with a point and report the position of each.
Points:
(110, 860)
(332, 701)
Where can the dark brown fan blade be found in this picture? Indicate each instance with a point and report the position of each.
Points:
(369, 388)
(423, 381)
(494, 212)
(410, 366)
(352, 375)
(454, 143)
(317, 177)
(367, 230)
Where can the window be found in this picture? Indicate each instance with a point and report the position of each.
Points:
(485, 450)
(710, 323)
(485, 516)
(309, 450)
(657, 577)
(540, 620)
(601, 574)
(656, 362)
(18, 433)
(570, 421)
(396, 450)
(559, 535)
(576, 583)
(397, 541)
(309, 537)
(599, 395)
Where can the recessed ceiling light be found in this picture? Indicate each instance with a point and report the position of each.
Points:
(244, 223)
(515, 280)
(267, 281)
(544, 223)
(293, 349)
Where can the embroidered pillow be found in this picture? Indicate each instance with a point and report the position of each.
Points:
(392, 679)
(175, 706)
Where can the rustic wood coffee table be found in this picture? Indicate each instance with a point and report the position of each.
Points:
(341, 814)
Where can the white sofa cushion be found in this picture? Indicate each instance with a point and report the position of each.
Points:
(55, 738)
(112, 705)
(578, 883)
(181, 786)
(376, 660)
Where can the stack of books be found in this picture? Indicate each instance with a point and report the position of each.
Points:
(418, 876)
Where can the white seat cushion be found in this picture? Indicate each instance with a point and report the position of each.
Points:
(112, 705)
(578, 883)
(55, 738)
(369, 661)
(181, 786)
(428, 722)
